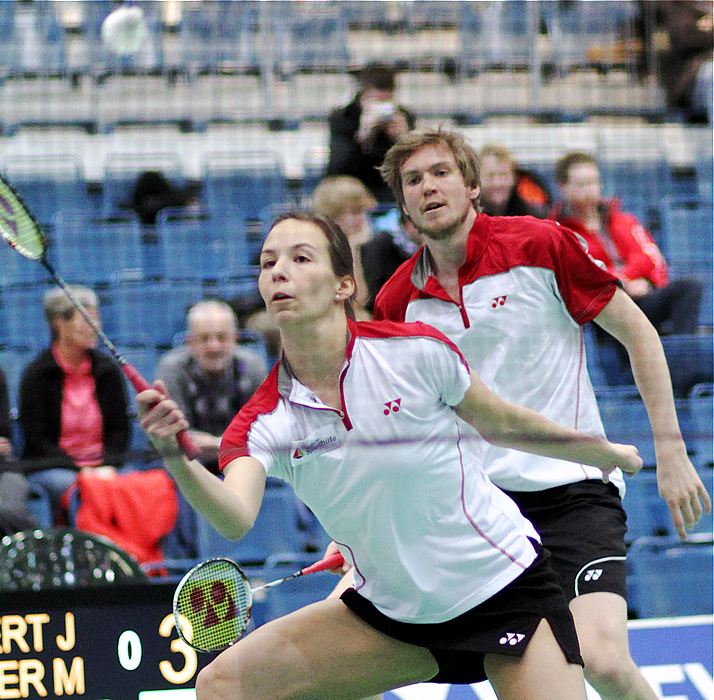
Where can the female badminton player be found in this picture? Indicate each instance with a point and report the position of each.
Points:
(363, 419)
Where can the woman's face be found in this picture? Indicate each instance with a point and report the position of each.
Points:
(355, 223)
(75, 332)
(296, 279)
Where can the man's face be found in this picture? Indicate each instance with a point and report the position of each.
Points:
(497, 181)
(436, 198)
(582, 189)
(212, 339)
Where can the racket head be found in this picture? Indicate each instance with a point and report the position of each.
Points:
(17, 225)
(212, 605)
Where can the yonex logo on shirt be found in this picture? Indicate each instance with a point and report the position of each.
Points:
(511, 638)
(593, 574)
(392, 406)
(498, 301)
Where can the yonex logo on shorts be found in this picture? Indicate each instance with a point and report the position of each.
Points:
(511, 638)
(593, 574)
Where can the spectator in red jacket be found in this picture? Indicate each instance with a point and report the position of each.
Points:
(624, 246)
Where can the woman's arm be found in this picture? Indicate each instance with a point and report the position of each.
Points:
(509, 425)
(231, 505)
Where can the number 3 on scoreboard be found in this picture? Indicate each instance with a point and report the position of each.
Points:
(178, 646)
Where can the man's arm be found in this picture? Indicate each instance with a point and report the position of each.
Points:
(677, 479)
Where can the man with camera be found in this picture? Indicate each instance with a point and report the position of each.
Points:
(365, 129)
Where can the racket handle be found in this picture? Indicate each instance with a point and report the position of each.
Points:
(140, 384)
(331, 562)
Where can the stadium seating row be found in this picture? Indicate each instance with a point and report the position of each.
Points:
(251, 36)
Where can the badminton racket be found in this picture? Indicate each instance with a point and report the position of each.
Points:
(24, 235)
(214, 600)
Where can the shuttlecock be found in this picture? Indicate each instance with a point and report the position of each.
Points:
(124, 30)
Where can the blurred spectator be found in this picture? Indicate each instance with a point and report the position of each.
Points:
(14, 489)
(504, 190)
(346, 201)
(153, 192)
(624, 246)
(687, 66)
(394, 241)
(364, 130)
(73, 403)
(211, 376)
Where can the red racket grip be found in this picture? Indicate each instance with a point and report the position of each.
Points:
(140, 384)
(331, 562)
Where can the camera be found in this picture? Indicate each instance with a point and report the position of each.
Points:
(384, 110)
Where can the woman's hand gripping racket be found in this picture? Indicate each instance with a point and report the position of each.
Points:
(20, 229)
(213, 601)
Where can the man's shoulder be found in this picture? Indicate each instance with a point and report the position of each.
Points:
(393, 297)
(175, 359)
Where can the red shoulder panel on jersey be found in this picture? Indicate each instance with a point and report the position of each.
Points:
(234, 443)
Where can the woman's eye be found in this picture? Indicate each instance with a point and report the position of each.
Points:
(301, 258)
(266, 264)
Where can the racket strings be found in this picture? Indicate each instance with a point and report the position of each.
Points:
(216, 601)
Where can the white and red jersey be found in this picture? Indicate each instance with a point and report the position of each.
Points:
(390, 474)
(526, 287)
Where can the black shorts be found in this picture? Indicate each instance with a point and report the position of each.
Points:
(583, 525)
(503, 624)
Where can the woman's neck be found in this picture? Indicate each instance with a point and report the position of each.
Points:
(71, 354)
(316, 353)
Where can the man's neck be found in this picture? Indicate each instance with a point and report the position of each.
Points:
(449, 254)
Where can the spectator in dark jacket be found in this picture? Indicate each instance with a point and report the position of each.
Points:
(687, 68)
(500, 191)
(364, 130)
(14, 512)
(73, 403)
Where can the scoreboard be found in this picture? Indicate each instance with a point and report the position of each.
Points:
(109, 643)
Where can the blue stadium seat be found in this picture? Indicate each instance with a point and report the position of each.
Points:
(292, 595)
(633, 181)
(582, 32)
(32, 40)
(220, 38)
(48, 184)
(22, 322)
(18, 270)
(40, 506)
(497, 35)
(204, 247)
(90, 250)
(647, 513)
(136, 310)
(699, 437)
(687, 226)
(625, 420)
(245, 181)
(704, 168)
(275, 530)
(670, 578)
(312, 37)
(690, 359)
